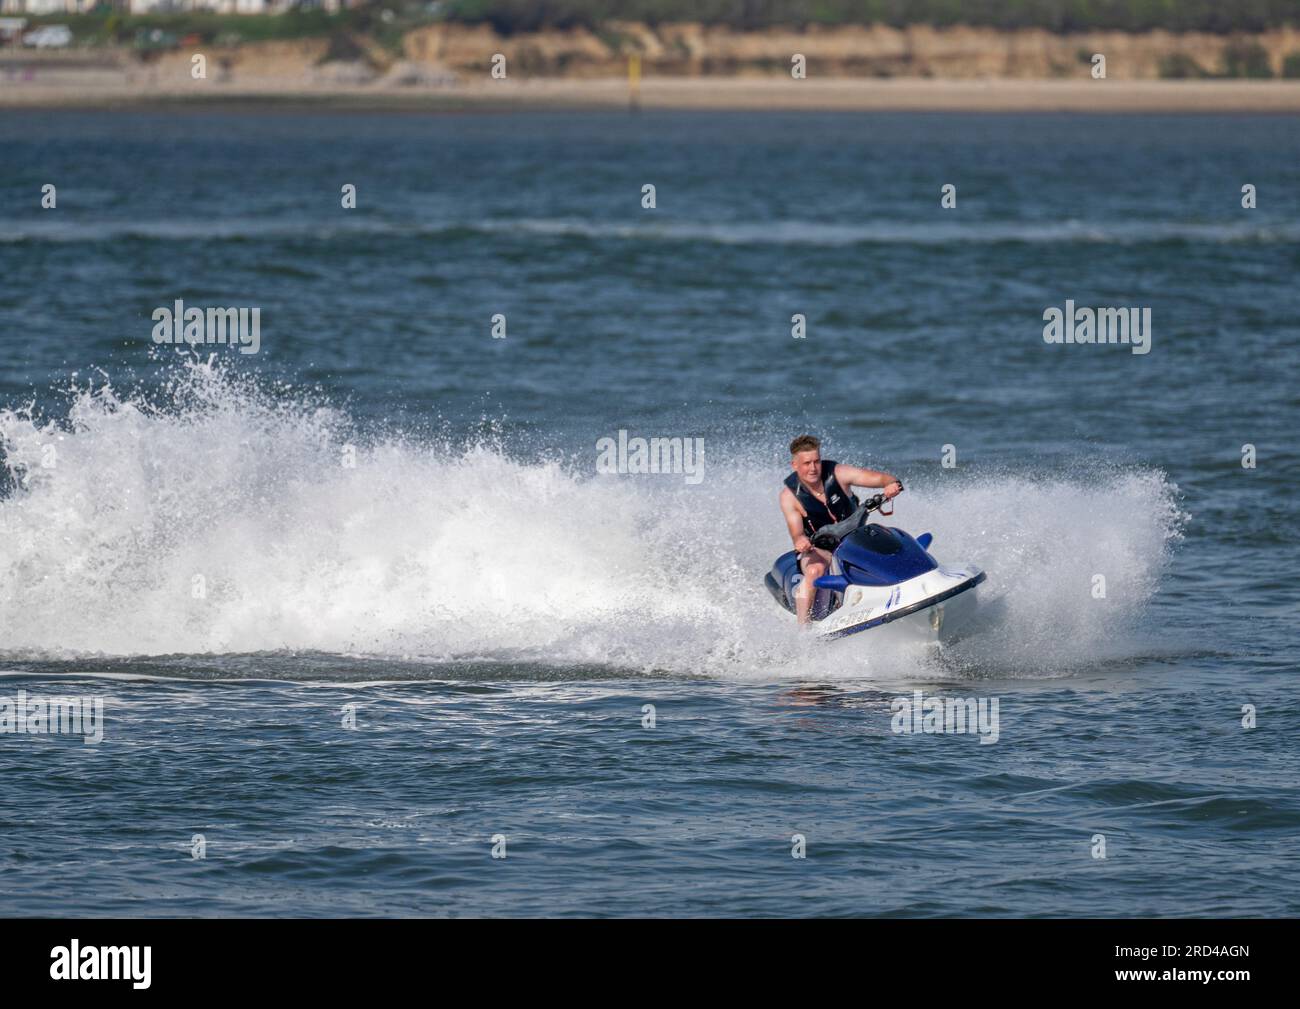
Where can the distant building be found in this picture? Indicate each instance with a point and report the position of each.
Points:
(157, 6)
(179, 6)
(39, 8)
(234, 6)
(240, 6)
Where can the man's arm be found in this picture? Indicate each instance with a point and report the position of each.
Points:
(794, 520)
(856, 476)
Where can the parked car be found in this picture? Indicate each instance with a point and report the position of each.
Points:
(49, 37)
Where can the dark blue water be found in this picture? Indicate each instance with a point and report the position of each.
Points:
(387, 515)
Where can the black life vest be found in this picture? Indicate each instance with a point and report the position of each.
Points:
(840, 502)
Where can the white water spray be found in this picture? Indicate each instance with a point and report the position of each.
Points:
(457, 553)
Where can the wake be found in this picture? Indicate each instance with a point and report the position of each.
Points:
(234, 518)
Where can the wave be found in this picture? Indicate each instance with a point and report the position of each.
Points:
(800, 233)
(224, 517)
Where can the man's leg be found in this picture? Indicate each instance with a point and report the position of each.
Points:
(813, 563)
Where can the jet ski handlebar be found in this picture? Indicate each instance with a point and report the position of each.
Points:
(828, 537)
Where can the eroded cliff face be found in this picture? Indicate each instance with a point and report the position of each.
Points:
(697, 50)
(272, 61)
(687, 49)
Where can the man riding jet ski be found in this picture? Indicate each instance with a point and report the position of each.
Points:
(817, 494)
(845, 575)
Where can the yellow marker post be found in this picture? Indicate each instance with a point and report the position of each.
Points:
(634, 82)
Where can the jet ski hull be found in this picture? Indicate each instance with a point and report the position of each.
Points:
(880, 578)
(937, 606)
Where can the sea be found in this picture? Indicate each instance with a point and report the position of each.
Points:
(359, 625)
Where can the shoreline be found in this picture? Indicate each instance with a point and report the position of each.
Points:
(778, 93)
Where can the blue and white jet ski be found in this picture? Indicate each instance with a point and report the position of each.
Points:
(880, 576)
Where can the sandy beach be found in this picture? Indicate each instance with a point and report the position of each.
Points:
(105, 87)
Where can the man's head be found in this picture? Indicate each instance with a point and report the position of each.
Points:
(806, 458)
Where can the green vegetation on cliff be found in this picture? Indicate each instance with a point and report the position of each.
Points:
(381, 18)
(510, 16)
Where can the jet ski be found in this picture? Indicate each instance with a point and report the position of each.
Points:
(880, 577)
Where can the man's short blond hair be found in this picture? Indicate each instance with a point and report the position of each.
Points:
(804, 443)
